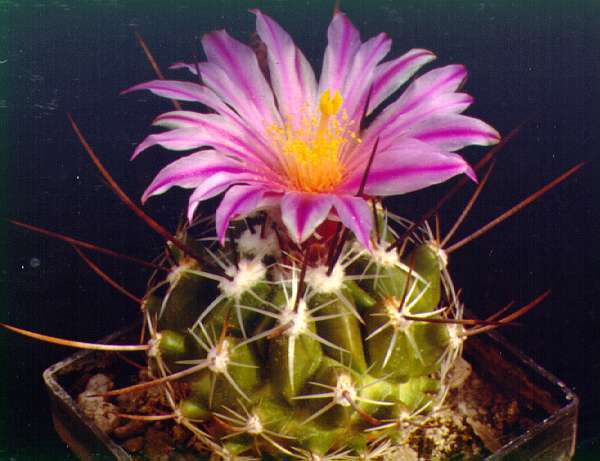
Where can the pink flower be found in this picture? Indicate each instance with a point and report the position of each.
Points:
(295, 143)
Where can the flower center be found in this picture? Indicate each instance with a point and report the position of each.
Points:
(311, 147)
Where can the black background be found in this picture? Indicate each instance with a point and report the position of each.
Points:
(535, 59)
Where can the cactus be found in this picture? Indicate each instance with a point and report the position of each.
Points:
(292, 354)
(324, 327)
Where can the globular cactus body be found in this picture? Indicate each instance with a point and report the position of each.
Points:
(298, 359)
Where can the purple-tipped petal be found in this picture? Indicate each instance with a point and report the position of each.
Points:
(292, 77)
(435, 82)
(303, 212)
(355, 213)
(391, 127)
(238, 201)
(218, 80)
(212, 130)
(343, 43)
(214, 185)
(408, 166)
(181, 139)
(425, 96)
(240, 67)
(189, 91)
(191, 171)
(390, 76)
(183, 91)
(360, 75)
(452, 132)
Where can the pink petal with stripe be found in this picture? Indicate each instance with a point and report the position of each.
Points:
(424, 95)
(183, 91)
(238, 201)
(215, 185)
(302, 212)
(427, 95)
(360, 75)
(219, 81)
(408, 166)
(240, 66)
(180, 139)
(218, 132)
(227, 132)
(391, 75)
(425, 88)
(355, 213)
(220, 135)
(391, 128)
(292, 77)
(343, 43)
(191, 171)
(452, 132)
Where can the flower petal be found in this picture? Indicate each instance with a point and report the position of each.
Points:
(453, 131)
(214, 185)
(218, 132)
(360, 75)
(435, 82)
(292, 77)
(408, 166)
(180, 119)
(240, 68)
(191, 67)
(355, 213)
(183, 91)
(180, 139)
(424, 96)
(391, 128)
(343, 43)
(191, 171)
(391, 75)
(303, 212)
(238, 201)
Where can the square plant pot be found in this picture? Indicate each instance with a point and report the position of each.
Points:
(550, 436)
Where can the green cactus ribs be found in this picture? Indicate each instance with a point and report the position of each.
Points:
(287, 352)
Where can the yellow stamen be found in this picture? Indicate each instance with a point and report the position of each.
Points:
(328, 104)
(311, 146)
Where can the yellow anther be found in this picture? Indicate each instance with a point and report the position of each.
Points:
(330, 105)
(311, 145)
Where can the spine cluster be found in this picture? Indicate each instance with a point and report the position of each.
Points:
(298, 352)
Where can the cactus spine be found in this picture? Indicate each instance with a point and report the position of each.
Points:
(289, 356)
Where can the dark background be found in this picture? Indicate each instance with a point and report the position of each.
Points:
(536, 59)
